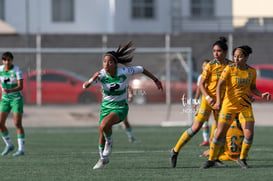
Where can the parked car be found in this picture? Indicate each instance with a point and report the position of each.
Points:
(145, 91)
(264, 81)
(60, 86)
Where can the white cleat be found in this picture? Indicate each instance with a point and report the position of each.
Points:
(108, 148)
(101, 163)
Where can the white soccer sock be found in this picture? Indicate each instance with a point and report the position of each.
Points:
(205, 135)
(108, 139)
(100, 152)
(6, 138)
(129, 133)
(205, 131)
(21, 142)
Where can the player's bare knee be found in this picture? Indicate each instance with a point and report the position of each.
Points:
(196, 126)
(18, 125)
(103, 126)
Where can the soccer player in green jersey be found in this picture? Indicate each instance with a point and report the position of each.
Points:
(11, 78)
(114, 106)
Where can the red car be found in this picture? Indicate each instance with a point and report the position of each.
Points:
(145, 91)
(60, 87)
(264, 81)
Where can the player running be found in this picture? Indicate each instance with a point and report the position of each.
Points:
(114, 106)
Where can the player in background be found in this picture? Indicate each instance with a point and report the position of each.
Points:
(208, 83)
(205, 127)
(127, 125)
(129, 130)
(114, 106)
(11, 78)
(234, 140)
(239, 80)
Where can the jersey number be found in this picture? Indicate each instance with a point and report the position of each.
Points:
(114, 87)
(6, 80)
(234, 146)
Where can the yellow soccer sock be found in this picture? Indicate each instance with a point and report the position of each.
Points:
(216, 147)
(185, 137)
(213, 128)
(245, 148)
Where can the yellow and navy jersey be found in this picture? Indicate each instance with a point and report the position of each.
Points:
(234, 139)
(212, 73)
(237, 84)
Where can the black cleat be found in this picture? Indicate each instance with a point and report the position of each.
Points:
(242, 163)
(208, 164)
(173, 158)
(218, 163)
(211, 163)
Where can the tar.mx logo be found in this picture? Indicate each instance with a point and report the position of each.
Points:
(189, 104)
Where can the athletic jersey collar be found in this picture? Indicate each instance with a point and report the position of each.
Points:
(247, 67)
(108, 75)
(226, 62)
(12, 66)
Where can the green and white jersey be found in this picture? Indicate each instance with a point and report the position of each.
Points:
(9, 80)
(115, 88)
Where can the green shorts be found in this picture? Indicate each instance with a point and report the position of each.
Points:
(122, 113)
(16, 105)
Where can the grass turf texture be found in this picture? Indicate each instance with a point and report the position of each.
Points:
(70, 154)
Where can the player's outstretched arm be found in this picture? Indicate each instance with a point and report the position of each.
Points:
(157, 82)
(265, 95)
(91, 81)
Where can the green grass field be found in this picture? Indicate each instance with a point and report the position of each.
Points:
(70, 154)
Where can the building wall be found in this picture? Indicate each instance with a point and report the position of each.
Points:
(110, 16)
(90, 17)
(15, 14)
(252, 8)
(243, 10)
(125, 24)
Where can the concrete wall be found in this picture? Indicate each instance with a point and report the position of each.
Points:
(201, 44)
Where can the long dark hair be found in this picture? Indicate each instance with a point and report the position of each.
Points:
(123, 54)
(222, 42)
(246, 50)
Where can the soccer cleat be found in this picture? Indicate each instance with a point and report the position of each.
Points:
(173, 158)
(218, 163)
(132, 140)
(211, 163)
(108, 148)
(101, 163)
(19, 153)
(242, 163)
(208, 164)
(205, 143)
(7, 150)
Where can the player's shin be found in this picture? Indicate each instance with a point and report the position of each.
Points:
(215, 148)
(185, 137)
(247, 143)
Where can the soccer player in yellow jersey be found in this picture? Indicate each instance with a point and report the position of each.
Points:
(239, 80)
(208, 82)
(233, 145)
(205, 127)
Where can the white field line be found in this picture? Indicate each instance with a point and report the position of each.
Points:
(128, 152)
